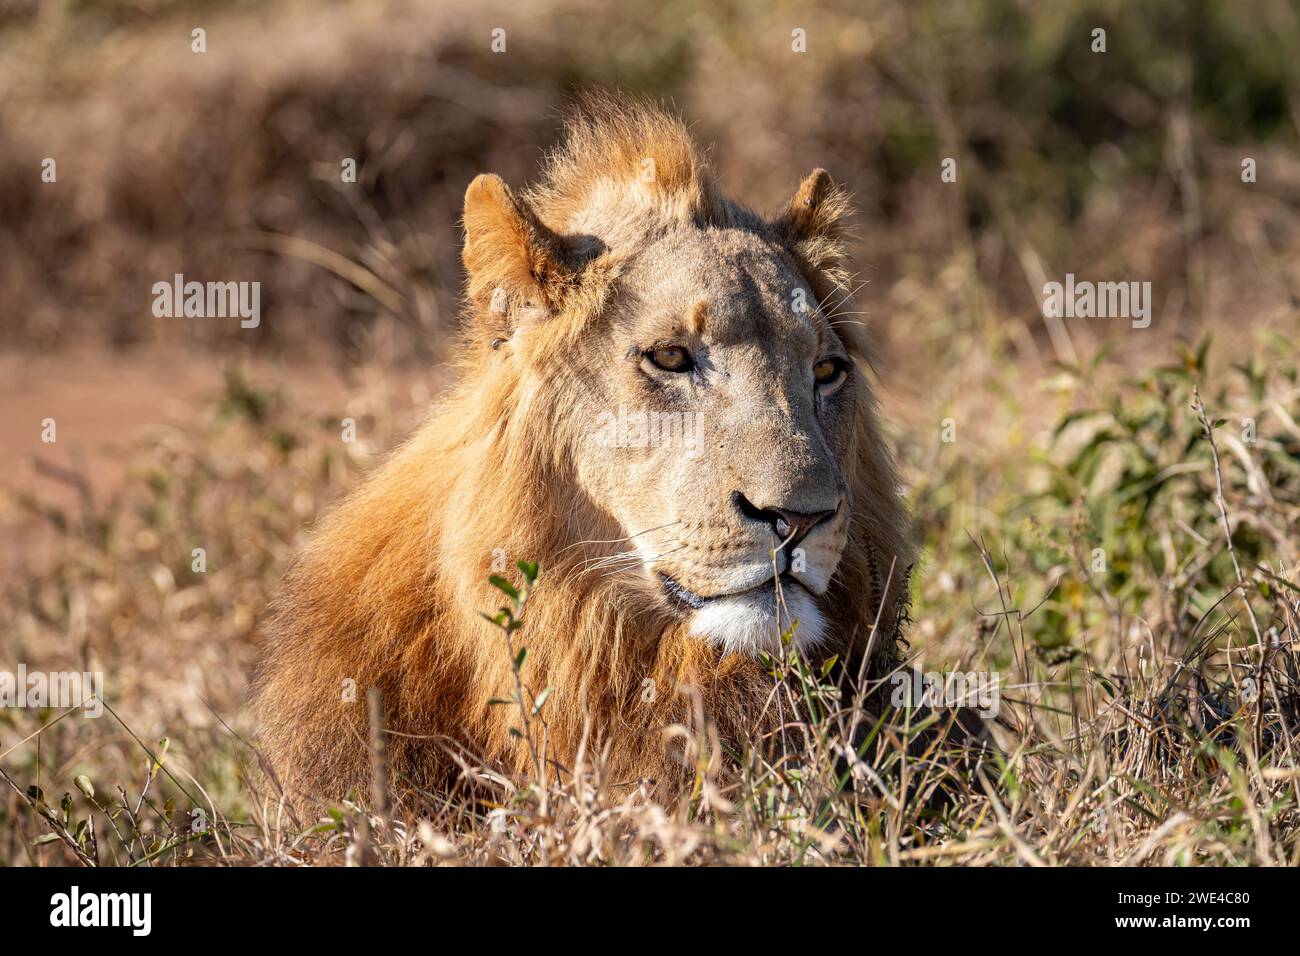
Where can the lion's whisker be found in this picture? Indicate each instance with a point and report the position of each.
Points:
(650, 561)
(608, 559)
(638, 560)
(612, 540)
(848, 289)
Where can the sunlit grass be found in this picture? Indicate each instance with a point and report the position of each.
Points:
(1141, 720)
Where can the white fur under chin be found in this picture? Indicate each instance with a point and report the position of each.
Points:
(746, 623)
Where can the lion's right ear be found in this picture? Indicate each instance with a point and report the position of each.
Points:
(515, 264)
(811, 228)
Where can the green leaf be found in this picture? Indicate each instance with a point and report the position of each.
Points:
(501, 584)
(541, 699)
(1073, 417)
(1106, 348)
(83, 784)
(1203, 351)
(520, 657)
(501, 619)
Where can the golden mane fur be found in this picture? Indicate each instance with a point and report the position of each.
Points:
(388, 590)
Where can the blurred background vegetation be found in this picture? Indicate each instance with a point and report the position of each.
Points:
(1123, 164)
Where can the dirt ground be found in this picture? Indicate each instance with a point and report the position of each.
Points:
(105, 404)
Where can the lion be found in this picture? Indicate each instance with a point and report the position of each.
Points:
(656, 403)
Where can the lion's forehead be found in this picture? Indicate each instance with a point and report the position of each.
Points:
(748, 288)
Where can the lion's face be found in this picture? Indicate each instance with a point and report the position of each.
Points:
(721, 406)
(671, 345)
(653, 407)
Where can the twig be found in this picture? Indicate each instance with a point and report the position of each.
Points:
(378, 757)
(1219, 498)
(55, 826)
(1223, 509)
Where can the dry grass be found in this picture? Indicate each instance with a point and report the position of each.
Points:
(1130, 729)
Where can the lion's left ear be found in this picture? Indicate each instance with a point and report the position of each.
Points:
(811, 229)
(515, 264)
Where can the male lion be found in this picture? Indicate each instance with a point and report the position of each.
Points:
(657, 405)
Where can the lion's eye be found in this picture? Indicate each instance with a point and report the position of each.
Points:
(830, 371)
(671, 358)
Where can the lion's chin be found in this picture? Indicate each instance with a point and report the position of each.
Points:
(747, 623)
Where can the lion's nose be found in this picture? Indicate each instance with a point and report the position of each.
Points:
(791, 526)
